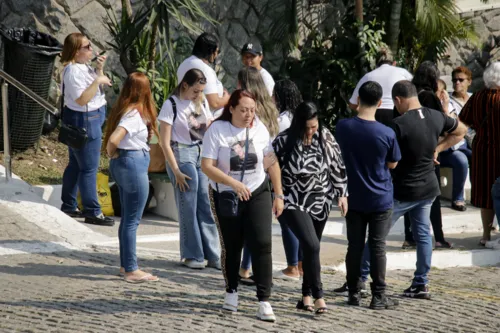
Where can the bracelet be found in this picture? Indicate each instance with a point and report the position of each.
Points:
(279, 196)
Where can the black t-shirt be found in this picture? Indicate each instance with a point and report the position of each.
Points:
(417, 132)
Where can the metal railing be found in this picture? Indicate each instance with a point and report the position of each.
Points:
(6, 79)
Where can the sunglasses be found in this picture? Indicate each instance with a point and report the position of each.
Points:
(459, 80)
(87, 46)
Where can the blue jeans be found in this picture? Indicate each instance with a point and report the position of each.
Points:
(419, 213)
(458, 160)
(495, 193)
(130, 172)
(81, 172)
(293, 252)
(199, 238)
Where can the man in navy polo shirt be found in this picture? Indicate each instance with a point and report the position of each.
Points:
(370, 149)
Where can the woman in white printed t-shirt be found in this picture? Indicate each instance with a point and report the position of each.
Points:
(130, 126)
(205, 52)
(84, 107)
(184, 118)
(234, 150)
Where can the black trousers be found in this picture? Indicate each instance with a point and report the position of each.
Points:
(385, 116)
(379, 225)
(308, 231)
(252, 227)
(436, 218)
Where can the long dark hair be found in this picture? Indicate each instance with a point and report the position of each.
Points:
(234, 100)
(287, 96)
(295, 133)
(426, 77)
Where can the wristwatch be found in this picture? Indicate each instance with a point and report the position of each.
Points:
(279, 196)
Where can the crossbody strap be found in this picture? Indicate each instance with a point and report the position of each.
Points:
(174, 108)
(244, 160)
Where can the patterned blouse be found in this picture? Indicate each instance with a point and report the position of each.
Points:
(311, 183)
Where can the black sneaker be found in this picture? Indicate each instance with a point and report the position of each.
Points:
(100, 220)
(74, 214)
(344, 290)
(354, 299)
(421, 292)
(381, 302)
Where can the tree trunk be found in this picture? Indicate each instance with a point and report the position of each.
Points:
(394, 25)
(358, 12)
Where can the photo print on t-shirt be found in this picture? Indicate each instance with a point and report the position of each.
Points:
(197, 124)
(237, 157)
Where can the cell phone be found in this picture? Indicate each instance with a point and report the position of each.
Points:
(100, 54)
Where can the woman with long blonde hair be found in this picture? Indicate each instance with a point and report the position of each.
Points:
(130, 126)
(250, 79)
(84, 107)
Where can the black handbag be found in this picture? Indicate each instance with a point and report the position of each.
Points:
(72, 136)
(228, 200)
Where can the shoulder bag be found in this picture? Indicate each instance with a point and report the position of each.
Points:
(228, 200)
(72, 136)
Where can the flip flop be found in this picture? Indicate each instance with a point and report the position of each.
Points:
(145, 278)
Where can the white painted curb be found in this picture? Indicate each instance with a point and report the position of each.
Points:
(21, 198)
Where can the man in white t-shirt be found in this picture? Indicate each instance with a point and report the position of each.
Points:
(386, 74)
(205, 52)
(252, 55)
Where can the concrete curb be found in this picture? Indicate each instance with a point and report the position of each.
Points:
(466, 222)
(395, 260)
(22, 198)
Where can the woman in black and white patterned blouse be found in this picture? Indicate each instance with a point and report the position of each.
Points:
(313, 175)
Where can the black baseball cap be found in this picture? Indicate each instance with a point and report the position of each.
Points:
(252, 47)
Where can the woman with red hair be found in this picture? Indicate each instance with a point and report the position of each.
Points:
(130, 125)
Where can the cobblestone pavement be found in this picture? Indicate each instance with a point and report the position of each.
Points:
(80, 292)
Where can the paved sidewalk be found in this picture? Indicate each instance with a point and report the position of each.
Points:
(79, 292)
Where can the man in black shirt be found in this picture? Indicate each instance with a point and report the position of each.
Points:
(415, 185)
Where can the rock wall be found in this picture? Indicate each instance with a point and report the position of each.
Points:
(475, 57)
(239, 20)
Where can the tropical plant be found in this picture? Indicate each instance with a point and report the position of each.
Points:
(144, 38)
(330, 65)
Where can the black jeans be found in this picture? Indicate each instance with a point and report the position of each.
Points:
(308, 231)
(436, 218)
(252, 227)
(379, 224)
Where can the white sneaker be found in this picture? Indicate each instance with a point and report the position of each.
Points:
(231, 302)
(493, 244)
(265, 312)
(194, 264)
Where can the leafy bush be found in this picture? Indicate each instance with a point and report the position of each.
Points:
(331, 64)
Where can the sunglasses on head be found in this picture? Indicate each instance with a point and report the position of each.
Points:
(87, 46)
(457, 79)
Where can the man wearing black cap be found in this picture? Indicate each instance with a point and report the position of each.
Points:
(252, 55)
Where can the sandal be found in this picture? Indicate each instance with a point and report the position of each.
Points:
(482, 242)
(145, 278)
(249, 281)
(443, 245)
(320, 310)
(306, 307)
(459, 206)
